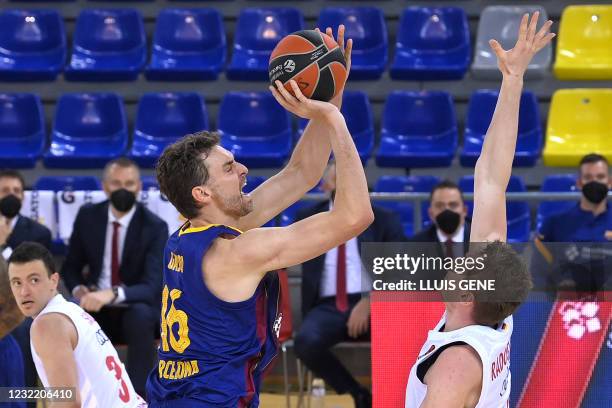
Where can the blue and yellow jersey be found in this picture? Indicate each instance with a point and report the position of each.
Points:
(212, 353)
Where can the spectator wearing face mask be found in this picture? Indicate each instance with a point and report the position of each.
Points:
(589, 221)
(449, 227)
(114, 266)
(14, 228)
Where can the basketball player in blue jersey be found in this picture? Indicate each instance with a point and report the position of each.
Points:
(219, 313)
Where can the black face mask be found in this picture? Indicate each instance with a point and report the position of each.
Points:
(123, 200)
(594, 191)
(10, 206)
(448, 221)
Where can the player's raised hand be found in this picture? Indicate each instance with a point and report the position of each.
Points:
(514, 62)
(347, 48)
(299, 104)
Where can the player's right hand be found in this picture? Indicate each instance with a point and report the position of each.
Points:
(299, 104)
(514, 62)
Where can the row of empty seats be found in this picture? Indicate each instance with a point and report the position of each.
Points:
(419, 129)
(68, 194)
(432, 43)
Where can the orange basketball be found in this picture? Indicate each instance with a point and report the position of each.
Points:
(311, 58)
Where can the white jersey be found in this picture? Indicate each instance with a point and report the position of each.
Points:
(493, 347)
(103, 380)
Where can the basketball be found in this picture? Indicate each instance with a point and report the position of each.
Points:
(311, 58)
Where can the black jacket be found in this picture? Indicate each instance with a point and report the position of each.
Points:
(26, 229)
(430, 235)
(141, 266)
(386, 227)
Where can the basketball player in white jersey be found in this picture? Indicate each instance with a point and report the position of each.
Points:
(465, 359)
(68, 347)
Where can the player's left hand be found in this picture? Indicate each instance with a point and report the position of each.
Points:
(347, 48)
(299, 104)
(94, 301)
(359, 320)
(514, 62)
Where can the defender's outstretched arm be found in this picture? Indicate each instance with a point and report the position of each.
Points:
(494, 165)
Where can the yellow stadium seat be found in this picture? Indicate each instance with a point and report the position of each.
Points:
(579, 122)
(584, 46)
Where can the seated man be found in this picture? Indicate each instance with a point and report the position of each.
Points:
(588, 222)
(68, 346)
(334, 304)
(121, 243)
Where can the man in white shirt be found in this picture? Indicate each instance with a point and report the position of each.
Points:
(115, 258)
(69, 348)
(335, 297)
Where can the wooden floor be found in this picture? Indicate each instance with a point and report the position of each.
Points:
(279, 401)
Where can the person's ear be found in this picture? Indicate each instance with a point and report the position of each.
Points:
(201, 194)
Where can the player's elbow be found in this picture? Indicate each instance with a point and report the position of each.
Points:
(357, 222)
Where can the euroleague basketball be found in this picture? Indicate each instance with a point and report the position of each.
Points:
(311, 58)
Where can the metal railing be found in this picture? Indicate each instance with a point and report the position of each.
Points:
(418, 198)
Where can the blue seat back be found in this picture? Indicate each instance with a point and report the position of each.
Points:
(556, 183)
(21, 117)
(357, 112)
(405, 209)
(68, 183)
(252, 114)
(109, 30)
(418, 113)
(260, 29)
(189, 30)
(170, 115)
(87, 116)
(31, 32)
(434, 29)
(365, 25)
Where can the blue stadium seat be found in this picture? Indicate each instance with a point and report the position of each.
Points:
(432, 43)
(88, 131)
(556, 183)
(68, 183)
(517, 212)
(419, 129)
(480, 111)
(22, 130)
(149, 183)
(357, 111)
(32, 45)
(288, 216)
(188, 44)
(257, 32)
(255, 128)
(405, 209)
(108, 45)
(366, 26)
(161, 119)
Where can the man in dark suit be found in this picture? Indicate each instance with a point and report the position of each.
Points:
(14, 228)
(449, 227)
(121, 243)
(335, 305)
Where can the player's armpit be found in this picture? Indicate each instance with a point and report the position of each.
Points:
(454, 380)
(54, 338)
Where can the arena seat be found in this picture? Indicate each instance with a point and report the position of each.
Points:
(257, 32)
(32, 45)
(188, 44)
(419, 129)
(89, 129)
(432, 43)
(583, 46)
(367, 27)
(108, 44)
(260, 136)
(357, 112)
(480, 111)
(579, 122)
(68, 183)
(556, 183)
(517, 212)
(405, 209)
(149, 183)
(22, 130)
(161, 119)
(502, 23)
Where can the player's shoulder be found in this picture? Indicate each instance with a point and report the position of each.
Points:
(52, 326)
(456, 365)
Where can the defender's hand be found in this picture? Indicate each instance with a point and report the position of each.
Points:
(299, 104)
(514, 62)
(347, 48)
